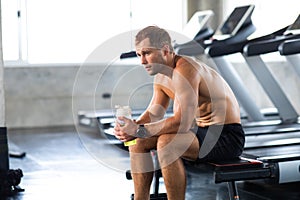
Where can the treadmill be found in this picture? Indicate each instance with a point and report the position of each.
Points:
(276, 143)
(252, 52)
(291, 48)
(285, 152)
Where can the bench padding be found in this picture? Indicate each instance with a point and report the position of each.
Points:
(239, 169)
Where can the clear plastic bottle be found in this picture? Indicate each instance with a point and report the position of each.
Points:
(124, 111)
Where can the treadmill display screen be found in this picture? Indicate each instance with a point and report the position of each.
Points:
(197, 23)
(236, 20)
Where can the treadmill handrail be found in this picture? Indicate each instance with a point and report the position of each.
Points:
(237, 47)
(289, 47)
(266, 46)
(219, 50)
(245, 31)
(130, 54)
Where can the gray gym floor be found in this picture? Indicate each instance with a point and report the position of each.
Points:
(65, 163)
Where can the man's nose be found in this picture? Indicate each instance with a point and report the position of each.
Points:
(143, 59)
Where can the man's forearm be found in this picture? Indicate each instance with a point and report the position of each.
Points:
(164, 126)
(149, 117)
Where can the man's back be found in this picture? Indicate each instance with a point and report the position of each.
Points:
(216, 102)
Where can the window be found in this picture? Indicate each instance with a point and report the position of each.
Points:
(67, 31)
(10, 30)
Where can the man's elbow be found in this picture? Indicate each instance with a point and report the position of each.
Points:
(184, 127)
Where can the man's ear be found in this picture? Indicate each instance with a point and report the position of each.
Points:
(165, 49)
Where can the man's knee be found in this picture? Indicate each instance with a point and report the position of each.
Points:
(171, 147)
(143, 145)
(137, 148)
(166, 150)
(164, 140)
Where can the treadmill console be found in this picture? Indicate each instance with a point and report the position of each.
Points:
(294, 28)
(239, 17)
(198, 22)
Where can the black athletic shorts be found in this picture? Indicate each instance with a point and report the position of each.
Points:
(229, 145)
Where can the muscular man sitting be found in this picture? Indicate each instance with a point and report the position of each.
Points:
(200, 97)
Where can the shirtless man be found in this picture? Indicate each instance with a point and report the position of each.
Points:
(199, 96)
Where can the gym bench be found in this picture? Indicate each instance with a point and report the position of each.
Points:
(239, 169)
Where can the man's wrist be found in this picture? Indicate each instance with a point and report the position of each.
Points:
(141, 132)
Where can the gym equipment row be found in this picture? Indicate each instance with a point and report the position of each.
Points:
(272, 141)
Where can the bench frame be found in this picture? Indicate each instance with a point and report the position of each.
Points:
(231, 171)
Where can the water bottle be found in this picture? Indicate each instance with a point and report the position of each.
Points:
(124, 111)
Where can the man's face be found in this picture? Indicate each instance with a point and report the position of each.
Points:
(151, 57)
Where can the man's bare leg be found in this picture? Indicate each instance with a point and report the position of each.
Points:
(171, 149)
(175, 180)
(142, 167)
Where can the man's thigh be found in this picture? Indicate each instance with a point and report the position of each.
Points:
(180, 145)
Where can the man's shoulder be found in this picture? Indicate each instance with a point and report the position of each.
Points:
(184, 62)
(187, 66)
(160, 79)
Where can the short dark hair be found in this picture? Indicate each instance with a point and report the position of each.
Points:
(158, 37)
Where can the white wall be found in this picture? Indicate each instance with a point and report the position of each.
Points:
(45, 95)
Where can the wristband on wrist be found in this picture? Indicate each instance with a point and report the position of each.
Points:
(141, 132)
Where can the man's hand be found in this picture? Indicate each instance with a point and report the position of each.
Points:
(127, 131)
